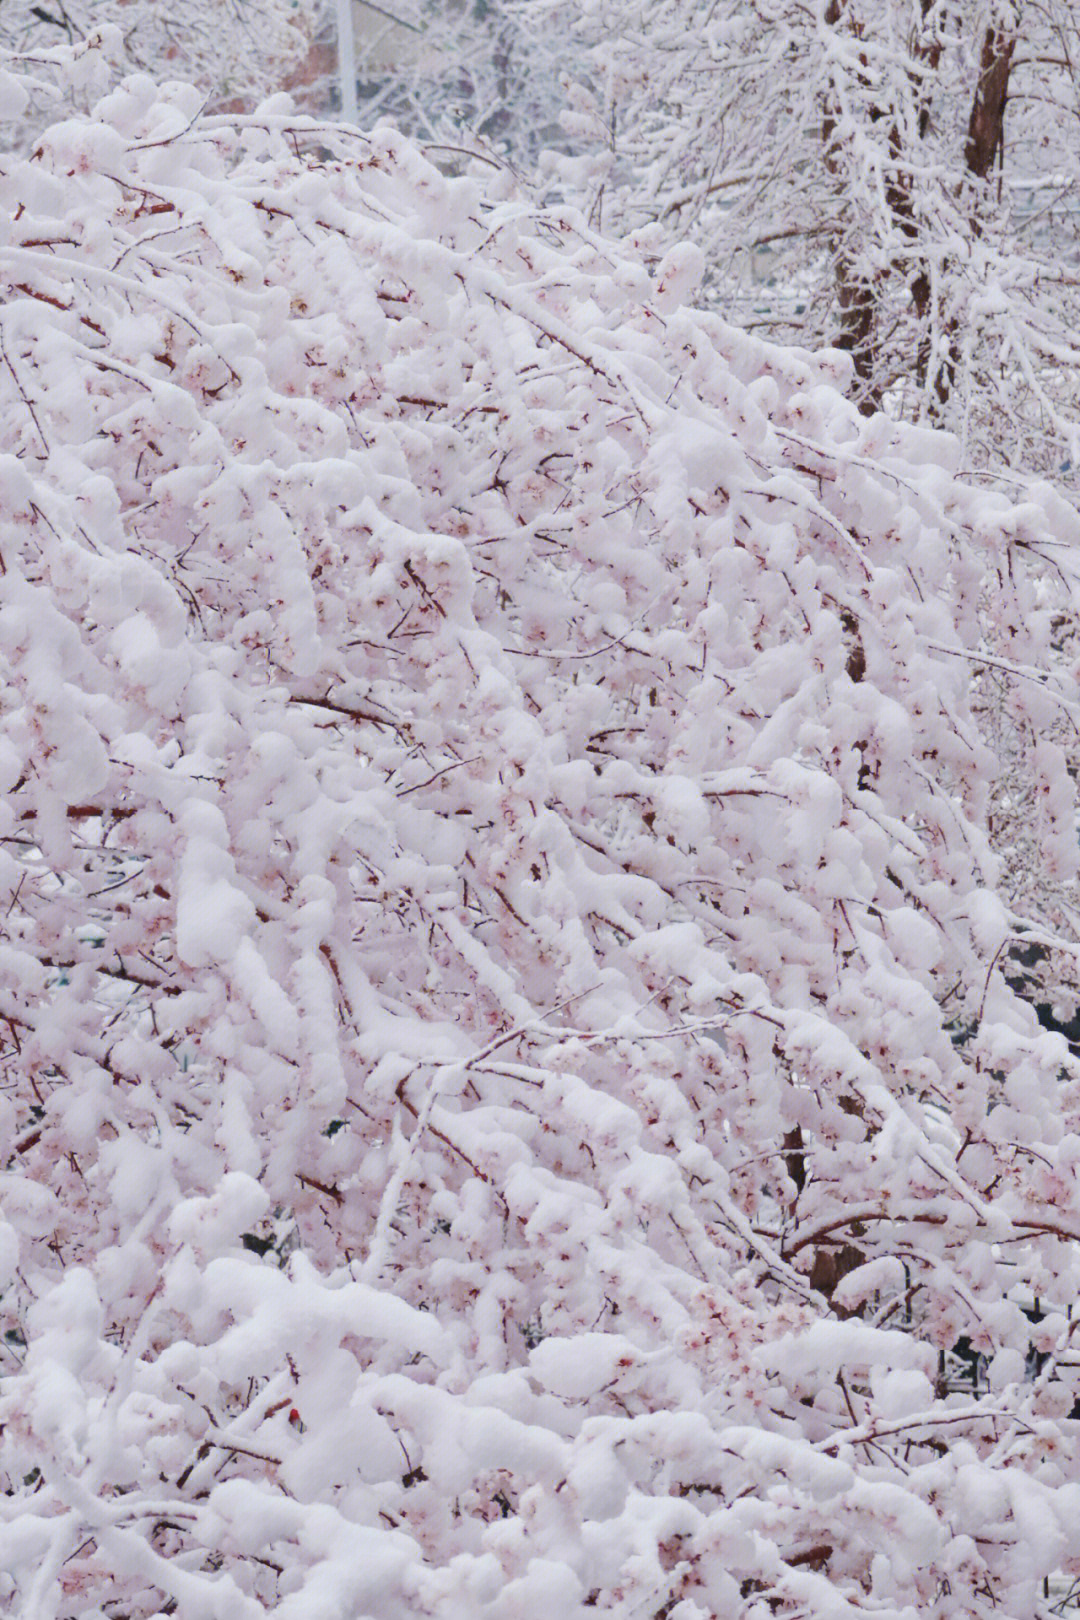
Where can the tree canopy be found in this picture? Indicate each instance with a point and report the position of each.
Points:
(517, 803)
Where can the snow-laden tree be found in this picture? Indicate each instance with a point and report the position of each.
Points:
(898, 177)
(468, 78)
(510, 1094)
(236, 51)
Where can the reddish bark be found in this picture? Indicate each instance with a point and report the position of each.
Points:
(986, 127)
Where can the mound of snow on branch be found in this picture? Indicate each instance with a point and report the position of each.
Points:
(509, 1085)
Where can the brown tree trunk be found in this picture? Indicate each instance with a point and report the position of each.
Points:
(986, 126)
(858, 304)
(984, 146)
(856, 297)
(927, 50)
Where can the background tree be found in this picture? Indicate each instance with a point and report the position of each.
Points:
(470, 78)
(896, 178)
(497, 859)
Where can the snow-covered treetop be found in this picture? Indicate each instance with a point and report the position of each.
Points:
(509, 1079)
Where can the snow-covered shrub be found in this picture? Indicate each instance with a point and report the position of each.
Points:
(497, 857)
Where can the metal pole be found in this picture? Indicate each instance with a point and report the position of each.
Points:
(346, 43)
